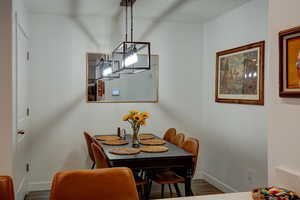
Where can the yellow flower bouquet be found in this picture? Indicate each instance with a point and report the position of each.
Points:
(136, 119)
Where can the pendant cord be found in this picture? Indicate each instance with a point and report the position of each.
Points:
(131, 20)
(126, 29)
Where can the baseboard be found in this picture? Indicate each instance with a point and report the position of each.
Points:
(21, 191)
(217, 183)
(198, 175)
(39, 186)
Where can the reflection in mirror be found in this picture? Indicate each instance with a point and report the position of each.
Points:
(105, 86)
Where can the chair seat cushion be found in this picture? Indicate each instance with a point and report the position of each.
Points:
(167, 177)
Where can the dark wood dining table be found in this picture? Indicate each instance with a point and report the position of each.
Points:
(175, 157)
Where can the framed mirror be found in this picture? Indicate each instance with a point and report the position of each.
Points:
(105, 86)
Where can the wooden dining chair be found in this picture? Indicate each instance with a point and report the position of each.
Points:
(102, 162)
(178, 139)
(192, 145)
(110, 183)
(6, 188)
(100, 158)
(170, 176)
(89, 140)
(169, 134)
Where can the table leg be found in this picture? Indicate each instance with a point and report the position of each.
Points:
(149, 184)
(188, 182)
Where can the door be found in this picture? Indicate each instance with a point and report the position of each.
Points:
(21, 165)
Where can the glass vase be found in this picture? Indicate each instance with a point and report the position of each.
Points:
(135, 139)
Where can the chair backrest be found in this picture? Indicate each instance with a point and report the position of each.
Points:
(89, 140)
(110, 183)
(6, 188)
(178, 139)
(100, 158)
(192, 145)
(170, 133)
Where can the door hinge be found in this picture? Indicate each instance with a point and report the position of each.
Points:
(28, 56)
(27, 167)
(27, 112)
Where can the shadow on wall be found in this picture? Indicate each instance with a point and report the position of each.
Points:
(158, 20)
(84, 29)
(75, 7)
(41, 130)
(162, 17)
(74, 156)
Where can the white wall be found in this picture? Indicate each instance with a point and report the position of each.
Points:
(234, 137)
(59, 111)
(6, 87)
(283, 127)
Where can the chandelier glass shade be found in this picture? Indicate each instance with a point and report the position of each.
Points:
(105, 69)
(132, 57)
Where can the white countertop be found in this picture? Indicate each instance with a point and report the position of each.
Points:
(231, 196)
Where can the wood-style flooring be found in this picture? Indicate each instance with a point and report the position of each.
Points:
(199, 187)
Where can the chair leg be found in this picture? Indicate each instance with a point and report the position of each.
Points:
(171, 193)
(143, 192)
(149, 189)
(93, 165)
(177, 189)
(138, 187)
(162, 190)
(192, 192)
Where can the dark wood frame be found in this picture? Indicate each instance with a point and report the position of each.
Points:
(282, 35)
(260, 101)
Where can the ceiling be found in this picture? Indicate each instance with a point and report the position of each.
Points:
(192, 11)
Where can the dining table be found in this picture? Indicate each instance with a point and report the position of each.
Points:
(175, 157)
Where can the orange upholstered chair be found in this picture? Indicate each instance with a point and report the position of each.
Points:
(100, 158)
(170, 133)
(89, 140)
(178, 139)
(6, 188)
(102, 162)
(192, 145)
(106, 184)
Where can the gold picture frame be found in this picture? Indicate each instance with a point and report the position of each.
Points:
(240, 75)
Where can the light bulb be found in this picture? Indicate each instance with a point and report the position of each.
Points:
(107, 71)
(130, 60)
(255, 74)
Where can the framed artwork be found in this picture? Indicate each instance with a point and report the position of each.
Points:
(240, 75)
(289, 55)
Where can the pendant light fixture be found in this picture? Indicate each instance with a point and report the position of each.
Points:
(132, 56)
(105, 68)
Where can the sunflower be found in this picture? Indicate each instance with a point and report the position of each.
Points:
(137, 117)
(145, 115)
(143, 122)
(125, 117)
(133, 112)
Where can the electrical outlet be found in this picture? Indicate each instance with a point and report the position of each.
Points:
(251, 174)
